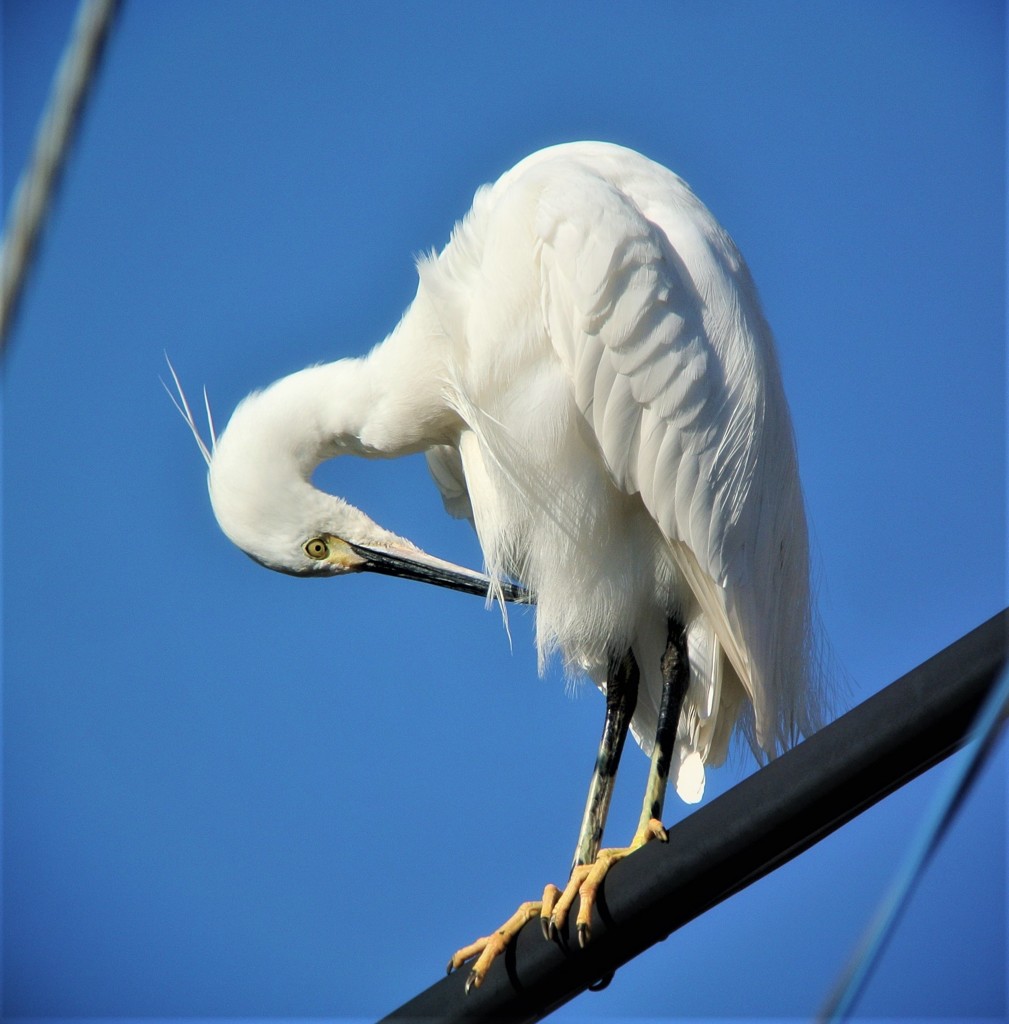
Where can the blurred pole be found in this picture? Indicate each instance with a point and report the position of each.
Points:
(722, 847)
(33, 196)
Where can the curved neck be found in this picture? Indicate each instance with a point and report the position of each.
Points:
(391, 402)
(314, 414)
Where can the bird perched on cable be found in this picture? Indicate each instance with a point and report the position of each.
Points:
(588, 370)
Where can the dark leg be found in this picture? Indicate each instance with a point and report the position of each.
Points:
(675, 679)
(591, 863)
(621, 698)
(586, 877)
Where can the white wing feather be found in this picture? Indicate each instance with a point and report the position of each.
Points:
(652, 311)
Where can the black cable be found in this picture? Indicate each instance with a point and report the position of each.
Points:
(724, 846)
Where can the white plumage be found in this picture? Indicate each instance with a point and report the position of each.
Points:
(588, 369)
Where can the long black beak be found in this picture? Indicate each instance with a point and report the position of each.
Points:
(418, 565)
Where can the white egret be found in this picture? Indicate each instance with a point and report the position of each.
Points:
(588, 370)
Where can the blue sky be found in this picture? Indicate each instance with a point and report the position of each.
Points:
(232, 793)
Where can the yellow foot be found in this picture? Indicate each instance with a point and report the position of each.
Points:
(553, 909)
(585, 881)
(490, 947)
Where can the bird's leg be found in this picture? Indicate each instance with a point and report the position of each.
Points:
(621, 699)
(587, 877)
(675, 679)
(621, 696)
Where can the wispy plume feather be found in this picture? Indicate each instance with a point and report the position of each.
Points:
(182, 404)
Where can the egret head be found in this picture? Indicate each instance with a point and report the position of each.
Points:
(259, 479)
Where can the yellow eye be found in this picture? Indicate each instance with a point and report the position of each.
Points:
(316, 548)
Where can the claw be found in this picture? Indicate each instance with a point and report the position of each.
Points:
(584, 934)
(451, 966)
(487, 949)
(551, 894)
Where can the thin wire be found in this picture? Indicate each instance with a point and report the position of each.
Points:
(945, 804)
(35, 190)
